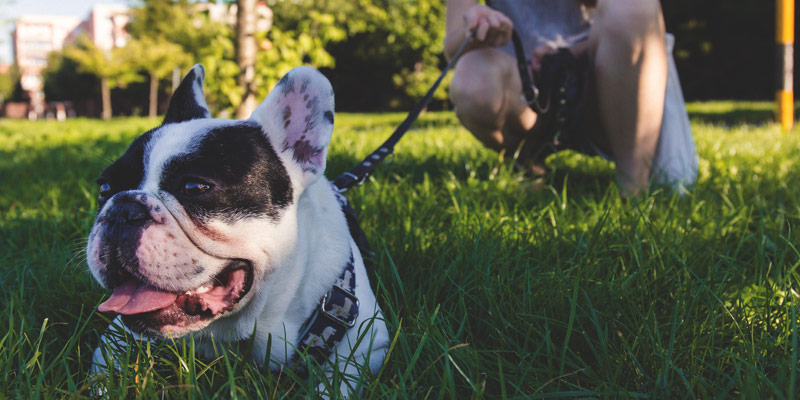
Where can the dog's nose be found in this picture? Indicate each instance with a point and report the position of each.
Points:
(131, 213)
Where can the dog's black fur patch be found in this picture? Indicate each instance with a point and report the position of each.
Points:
(124, 223)
(126, 172)
(247, 176)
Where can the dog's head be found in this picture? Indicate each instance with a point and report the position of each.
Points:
(198, 210)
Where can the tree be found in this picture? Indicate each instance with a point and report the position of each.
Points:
(398, 41)
(290, 46)
(246, 55)
(8, 83)
(108, 66)
(424, 39)
(208, 42)
(158, 58)
(62, 81)
(176, 21)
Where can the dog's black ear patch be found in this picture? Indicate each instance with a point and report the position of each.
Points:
(188, 101)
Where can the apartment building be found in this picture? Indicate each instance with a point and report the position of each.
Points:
(35, 36)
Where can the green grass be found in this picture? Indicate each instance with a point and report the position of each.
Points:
(490, 287)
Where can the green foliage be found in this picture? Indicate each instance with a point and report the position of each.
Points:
(425, 38)
(62, 81)
(291, 42)
(289, 47)
(372, 35)
(175, 21)
(9, 82)
(155, 56)
(492, 287)
(205, 41)
(110, 65)
(398, 43)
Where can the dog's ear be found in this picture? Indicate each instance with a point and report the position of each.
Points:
(188, 101)
(297, 116)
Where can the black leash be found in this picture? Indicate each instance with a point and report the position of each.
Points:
(358, 174)
(529, 90)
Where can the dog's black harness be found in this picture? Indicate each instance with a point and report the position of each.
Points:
(338, 309)
(326, 327)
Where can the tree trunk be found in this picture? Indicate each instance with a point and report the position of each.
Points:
(106, 94)
(153, 112)
(246, 55)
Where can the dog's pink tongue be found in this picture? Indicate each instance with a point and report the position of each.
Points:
(136, 298)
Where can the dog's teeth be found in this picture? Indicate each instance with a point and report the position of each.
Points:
(203, 289)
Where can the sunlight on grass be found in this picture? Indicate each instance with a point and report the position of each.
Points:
(491, 286)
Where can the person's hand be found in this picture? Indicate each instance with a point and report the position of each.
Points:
(492, 28)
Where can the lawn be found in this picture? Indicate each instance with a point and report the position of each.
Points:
(491, 287)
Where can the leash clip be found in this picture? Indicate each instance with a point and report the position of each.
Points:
(534, 100)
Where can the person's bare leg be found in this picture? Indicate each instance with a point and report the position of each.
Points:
(630, 66)
(486, 92)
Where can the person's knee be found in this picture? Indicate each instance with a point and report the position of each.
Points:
(477, 89)
(629, 21)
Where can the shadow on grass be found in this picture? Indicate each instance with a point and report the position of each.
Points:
(734, 117)
(54, 181)
(581, 174)
(734, 113)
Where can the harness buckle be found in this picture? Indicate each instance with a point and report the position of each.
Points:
(324, 308)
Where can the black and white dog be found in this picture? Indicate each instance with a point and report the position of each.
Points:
(226, 229)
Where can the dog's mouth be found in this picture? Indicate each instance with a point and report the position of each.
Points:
(150, 308)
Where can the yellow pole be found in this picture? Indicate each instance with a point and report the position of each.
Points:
(784, 37)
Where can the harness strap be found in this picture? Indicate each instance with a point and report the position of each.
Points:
(326, 327)
(338, 308)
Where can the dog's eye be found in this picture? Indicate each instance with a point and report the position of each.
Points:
(105, 189)
(192, 188)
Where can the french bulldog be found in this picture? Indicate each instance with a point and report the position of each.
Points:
(228, 231)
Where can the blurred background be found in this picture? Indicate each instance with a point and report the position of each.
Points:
(124, 57)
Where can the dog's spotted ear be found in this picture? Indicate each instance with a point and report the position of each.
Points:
(188, 101)
(297, 116)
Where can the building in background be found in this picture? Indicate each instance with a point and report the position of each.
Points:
(226, 13)
(105, 25)
(35, 36)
